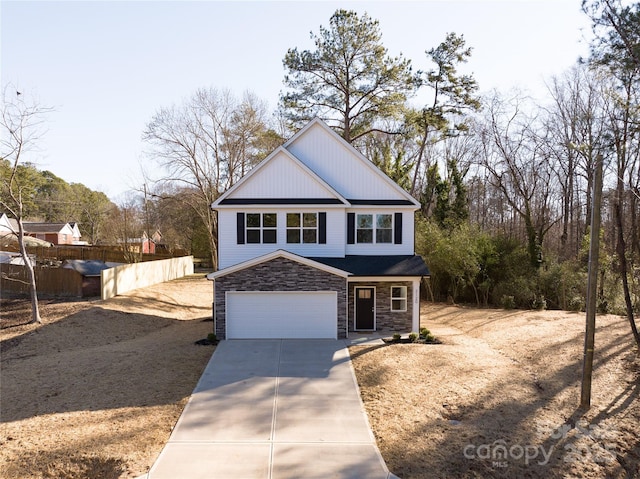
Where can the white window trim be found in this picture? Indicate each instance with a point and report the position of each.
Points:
(374, 228)
(405, 298)
(302, 228)
(260, 228)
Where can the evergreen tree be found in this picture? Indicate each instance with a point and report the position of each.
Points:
(349, 80)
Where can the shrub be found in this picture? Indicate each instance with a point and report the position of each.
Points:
(539, 303)
(413, 337)
(521, 289)
(396, 337)
(212, 337)
(603, 306)
(427, 335)
(576, 303)
(507, 302)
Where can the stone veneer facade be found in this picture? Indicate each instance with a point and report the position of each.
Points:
(386, 321)
(279, 274)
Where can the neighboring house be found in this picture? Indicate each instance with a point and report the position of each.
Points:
(56, 233)
(77, 235)
(9, 233)
(143, 244)
(316, 242)
(8, 225)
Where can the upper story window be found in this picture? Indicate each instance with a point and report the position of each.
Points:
(302, 227)
(374, 228)
(256, 228)
(262, 227)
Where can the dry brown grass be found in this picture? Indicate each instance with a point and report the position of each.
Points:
(507, 378)
(95, 390)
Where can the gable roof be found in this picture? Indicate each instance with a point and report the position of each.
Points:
(8, 224)
(278, 254)
(41, 227)
(340, 164)
(316, 166)
(273, 182)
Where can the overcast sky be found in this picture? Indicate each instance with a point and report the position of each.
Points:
(107, 67)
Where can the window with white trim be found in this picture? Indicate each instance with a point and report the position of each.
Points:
(369, 232)
(262, 228)
(302, 227)
(398, 298)
(384, 228)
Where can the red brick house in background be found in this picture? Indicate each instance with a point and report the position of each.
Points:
(55, 233)
(143, 244)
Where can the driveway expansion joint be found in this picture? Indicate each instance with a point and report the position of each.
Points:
(274, 409)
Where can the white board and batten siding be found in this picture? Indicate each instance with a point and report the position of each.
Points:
(231, 253)
(281, 314)
(282, 177)
(337, 164)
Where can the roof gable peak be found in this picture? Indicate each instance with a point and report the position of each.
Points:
(349, 181)
(280, 166)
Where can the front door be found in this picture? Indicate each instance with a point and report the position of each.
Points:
(365, 309)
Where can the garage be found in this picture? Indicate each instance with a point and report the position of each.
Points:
(281, 314)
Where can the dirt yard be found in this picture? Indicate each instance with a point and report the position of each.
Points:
(94, 391)
(499, 397)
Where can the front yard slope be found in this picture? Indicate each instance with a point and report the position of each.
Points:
(498, 398)
(95, 390)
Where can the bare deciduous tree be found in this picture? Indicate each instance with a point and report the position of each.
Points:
(21, 123)
(205, 145)
(519, 168)
(575, 137)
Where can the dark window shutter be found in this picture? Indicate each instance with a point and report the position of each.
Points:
(397, 228)
(240, 228)
(351, 228)
(322, 228)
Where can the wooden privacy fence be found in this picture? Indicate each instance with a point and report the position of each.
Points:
(111, 282)
(106, 254)
(49, 281)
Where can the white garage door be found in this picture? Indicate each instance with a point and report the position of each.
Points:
(285, 314)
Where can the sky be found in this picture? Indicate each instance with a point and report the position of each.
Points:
(105, 68)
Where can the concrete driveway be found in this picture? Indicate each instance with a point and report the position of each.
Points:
(274, 409)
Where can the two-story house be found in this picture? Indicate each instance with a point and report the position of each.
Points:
(316, 242)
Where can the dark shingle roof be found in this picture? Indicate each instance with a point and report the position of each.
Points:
(396, 265)
(33, 227)
(281, 201)
(86, 267)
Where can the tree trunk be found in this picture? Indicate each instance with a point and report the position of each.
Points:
(35, 310)
(622, 259)
(534, 242)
